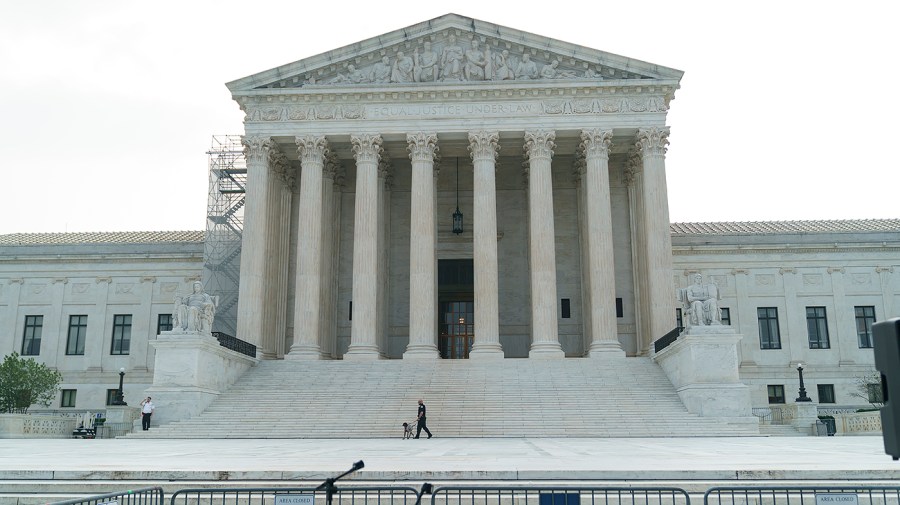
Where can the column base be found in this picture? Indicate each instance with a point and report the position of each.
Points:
(421, 352)
(303, 354)
(606, 349)
(542, 350)
(486, 351)
(362, 353)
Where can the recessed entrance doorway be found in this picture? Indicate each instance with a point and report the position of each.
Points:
(456, 294)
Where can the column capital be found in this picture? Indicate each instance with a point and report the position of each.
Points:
(311, 148)
(484, 145)
(366, 147)
(539, 144)
(332, 165)
(281, 167)
(422, 146)
(652, 141)
(579, 166)
(256, 147)
(595, 142)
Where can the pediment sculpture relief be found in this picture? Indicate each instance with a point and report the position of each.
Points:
(456, 60)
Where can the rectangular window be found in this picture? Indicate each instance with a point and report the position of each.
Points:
(111, 396)
(121, 336)
(77, 332)
(68, 398)
(31, 339)
(776, 394)
(865, 318)
(875, 392)
(726, 315)
(769, 336)
(817, 328)
(678, 321)
(163, 323)
(620, 311)
(826, 393)
(566, 309)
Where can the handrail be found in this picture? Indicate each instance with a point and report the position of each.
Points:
(667, 339)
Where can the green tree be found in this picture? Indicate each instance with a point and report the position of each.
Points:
(25, 382)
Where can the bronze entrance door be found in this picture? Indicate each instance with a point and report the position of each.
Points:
(456, 308)
(457, 329)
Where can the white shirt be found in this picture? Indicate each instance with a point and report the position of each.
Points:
(147, 407)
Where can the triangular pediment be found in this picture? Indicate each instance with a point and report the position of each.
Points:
(449, 50)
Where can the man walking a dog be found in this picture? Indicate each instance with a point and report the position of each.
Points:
(421, 420)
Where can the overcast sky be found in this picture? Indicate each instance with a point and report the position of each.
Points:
(787, 110)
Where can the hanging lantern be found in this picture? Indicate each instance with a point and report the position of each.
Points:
(457, 216)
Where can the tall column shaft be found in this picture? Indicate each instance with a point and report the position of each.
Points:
(634, 179)
(422, 260)
(251, 293)
(273, 306)
(484, 147)
(363, 331)
(657, 237)
(604, 330)
(307, 300)
(283, 254)
(542, 246)
(327, 323)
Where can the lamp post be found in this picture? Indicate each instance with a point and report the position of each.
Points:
(120, 396)
(802, 397)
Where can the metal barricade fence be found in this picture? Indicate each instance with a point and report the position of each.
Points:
(559, 495)
(143, 496)
(764, 495)
(296, 496)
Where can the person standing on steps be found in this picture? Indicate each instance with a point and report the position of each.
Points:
(421, 420)
(146, 411)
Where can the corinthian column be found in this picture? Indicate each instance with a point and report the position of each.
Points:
(251, 293)
(307, 298)
(542, 246)
(422, 263)
(363, 332)
(602, 279)
(484, 147)
(651, 143)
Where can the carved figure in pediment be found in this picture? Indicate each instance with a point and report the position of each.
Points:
(527, 69)
(381, 71)
(548, 71)
(503, 67)
(593, 74)
(426, 63)
(353, 76)
(403, 68)
(475, 63)
(452, 61)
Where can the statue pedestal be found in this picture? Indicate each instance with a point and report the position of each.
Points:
(703, 366)
(191, 369)
(803, 416)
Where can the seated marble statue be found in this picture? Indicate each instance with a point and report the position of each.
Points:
(194, 312)
(701, 303)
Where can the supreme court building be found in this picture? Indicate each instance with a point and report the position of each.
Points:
(457, 189)
(357, 159)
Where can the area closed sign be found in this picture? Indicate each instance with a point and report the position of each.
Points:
(294, 499)
(836, 499)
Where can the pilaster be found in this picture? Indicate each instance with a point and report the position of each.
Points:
(143, 328)
(542, 246)
(604, 330)
(98, 327)
(12, 317)
(796, 336)
(363, 331)
(846, 325)
(422, 261)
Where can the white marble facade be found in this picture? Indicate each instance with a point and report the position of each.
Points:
(352, 182)
(561, 155)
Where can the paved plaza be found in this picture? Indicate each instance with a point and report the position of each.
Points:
(523, 459)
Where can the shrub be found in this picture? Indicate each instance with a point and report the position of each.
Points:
(25, 382)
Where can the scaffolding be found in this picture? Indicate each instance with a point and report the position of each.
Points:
(224, 226)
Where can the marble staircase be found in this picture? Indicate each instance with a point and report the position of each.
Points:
(619, 397)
